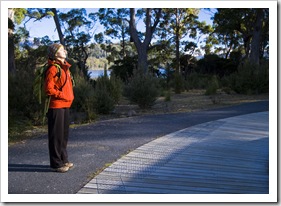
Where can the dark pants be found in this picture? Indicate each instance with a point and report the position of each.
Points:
(58, 129)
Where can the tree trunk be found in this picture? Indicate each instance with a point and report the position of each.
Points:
(56, 19)
(142, 47)
(255, 45)
(11, 45)
(11, 54)
(177, 44)
(142, 60)
(246, 40)
(123, 33)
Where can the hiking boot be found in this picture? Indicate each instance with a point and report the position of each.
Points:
(61, 169)
(68, 164)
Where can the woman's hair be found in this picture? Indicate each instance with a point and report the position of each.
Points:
(53, 49)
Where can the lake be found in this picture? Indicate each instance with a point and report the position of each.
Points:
(94, 74)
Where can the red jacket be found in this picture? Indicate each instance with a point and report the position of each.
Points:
(63, 98)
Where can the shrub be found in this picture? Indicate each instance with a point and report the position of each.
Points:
(108, 92)
(103, 102)
(213, 86)
(124, 68)
(197, 81)
(142, 90)
(84, 97)
(115, 88)
(167, 96)
(178, 83)
(249, 79)
(22, 103)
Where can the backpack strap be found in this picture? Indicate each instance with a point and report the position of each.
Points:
(48, 98)
(64, 81)
(59, 74)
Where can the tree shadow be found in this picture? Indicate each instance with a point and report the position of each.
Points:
(28, 168)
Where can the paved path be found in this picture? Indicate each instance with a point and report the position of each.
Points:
(227, 156)
(93, 146)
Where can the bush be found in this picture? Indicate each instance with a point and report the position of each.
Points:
(108, 92)
(249, 79)
(167, 96)
(115, 88)
(197, 81)
(142, 90)
(213, 86)
(22, 103)
(103, 102)
(84, 97)
(178, 83)
(124, 68)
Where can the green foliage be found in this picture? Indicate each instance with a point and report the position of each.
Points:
(196, 81)
(213, 64)
(249, 79)
(124, 68)
(178, 83)
(107, 94)
(84, 97)
(23, 108)
(213, 86)
(167, 96)
(115, 88)
(104, 103)
(19, 15)
(142, 90)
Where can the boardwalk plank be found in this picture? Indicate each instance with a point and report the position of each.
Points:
(223, 157)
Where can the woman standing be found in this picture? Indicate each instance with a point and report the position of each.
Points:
(58, 85)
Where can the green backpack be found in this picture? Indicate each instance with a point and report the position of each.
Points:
(38, 86)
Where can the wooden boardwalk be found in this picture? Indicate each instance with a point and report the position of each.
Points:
(228, 156)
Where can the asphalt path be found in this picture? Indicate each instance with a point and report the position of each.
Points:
(92, 147)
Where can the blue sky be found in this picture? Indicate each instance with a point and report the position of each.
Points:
(47, 26)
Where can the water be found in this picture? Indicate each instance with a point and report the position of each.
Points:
(94, 74)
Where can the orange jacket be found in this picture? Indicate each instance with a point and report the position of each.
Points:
(63, 98)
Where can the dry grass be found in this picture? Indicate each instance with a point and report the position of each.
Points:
(193, 100)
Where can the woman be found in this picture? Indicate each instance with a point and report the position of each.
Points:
(58, 85)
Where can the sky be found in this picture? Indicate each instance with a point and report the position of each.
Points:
(47, 25)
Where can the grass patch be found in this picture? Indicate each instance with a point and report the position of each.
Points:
(23, 132)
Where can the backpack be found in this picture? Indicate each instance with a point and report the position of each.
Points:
(38, 86)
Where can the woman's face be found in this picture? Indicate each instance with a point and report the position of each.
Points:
(61, 53)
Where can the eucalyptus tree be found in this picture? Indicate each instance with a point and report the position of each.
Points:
(38, 14)
(232, 30)
(249, 25)
(122, 24)
(16, 16)
(58, 25)
(260, 31)
(77, 35)
(177, 24)
(142, 41)
(116, 25)
(193, 47)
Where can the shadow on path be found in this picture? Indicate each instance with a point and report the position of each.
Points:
(28, 168)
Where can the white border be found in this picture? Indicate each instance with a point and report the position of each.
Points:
(139, 4)
(271, 197)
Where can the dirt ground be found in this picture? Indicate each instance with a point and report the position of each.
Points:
(193, 100)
